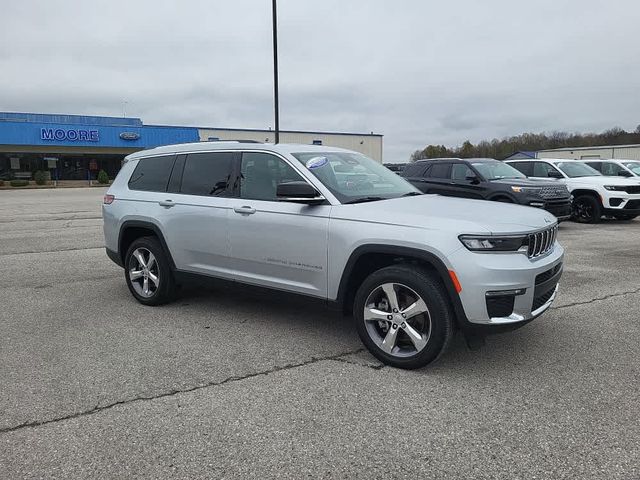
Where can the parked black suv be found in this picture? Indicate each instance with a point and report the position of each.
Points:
(488, 179)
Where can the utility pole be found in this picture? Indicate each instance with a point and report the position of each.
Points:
(275, 69)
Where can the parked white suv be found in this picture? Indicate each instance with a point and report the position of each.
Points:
(616, 168)
(594, 195)
(335, 225)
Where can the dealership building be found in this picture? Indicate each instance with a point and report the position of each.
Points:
(76, 147)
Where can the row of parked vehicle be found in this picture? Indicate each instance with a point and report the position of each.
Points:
(583, 191)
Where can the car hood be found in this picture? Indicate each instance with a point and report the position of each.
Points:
(461, 215)
(524, 182)
(603, 180)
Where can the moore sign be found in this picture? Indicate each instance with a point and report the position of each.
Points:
(71, 135)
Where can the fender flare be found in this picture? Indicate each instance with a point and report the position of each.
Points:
(408, 252)
(149, 226)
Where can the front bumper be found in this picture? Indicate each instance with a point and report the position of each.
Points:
(621, 202)
(481, 275)
(560, 207)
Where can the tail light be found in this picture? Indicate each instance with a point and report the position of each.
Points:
(108, 199)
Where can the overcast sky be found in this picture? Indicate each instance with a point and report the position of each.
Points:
(417, 71)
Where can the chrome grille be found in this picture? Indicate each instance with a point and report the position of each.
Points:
(554, 192)
(542, 242)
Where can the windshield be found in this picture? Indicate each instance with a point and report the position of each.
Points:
(497, 170)
(633, 166)
(352, 177)
(577, 169)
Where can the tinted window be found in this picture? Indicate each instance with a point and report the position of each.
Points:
(440, 170)
(609, 168)
(459, 171)
(596, 165)
(577, 169)
(414, 170)
(526, 168)
(152, 174)
(260, 174)
(207, 174)
(541, 169)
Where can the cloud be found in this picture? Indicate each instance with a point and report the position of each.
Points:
(417, 72)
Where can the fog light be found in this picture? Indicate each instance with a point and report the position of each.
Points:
(537, 204)
(517, 291)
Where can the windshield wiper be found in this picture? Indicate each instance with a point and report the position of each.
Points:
(364, 199)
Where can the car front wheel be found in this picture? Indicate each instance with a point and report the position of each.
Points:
(403, 316)
(148, 272)
(586, 209)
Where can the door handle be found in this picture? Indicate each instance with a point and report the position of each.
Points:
(166, 203)
(245, 210)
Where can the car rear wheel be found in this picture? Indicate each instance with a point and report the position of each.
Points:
(403, 316)
(148, 272)
(586, 209)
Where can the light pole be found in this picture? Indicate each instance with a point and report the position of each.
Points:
(275, 69)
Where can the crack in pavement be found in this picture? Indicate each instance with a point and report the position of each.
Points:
(98, 408)
(373, 367)
(598, 299)
(50, 251)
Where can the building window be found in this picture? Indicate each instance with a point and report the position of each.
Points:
(317, 142)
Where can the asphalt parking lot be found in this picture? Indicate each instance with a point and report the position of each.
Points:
(226, 383)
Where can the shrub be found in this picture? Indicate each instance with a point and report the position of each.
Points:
(40, 177)
(103, 178)
(19, 183)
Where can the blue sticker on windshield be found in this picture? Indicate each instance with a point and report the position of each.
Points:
(316, 162)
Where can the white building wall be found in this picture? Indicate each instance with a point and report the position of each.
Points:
(629, 152)
(369, 145)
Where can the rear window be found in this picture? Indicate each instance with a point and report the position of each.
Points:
(152, 174)
(207, 174)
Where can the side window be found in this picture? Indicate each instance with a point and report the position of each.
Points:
(526, 168)
(414, 170)
(541, 169)
(460, 172)
(260, 174)
(596, 165)
(440, 170)
(611, 169)
(208, 174)
(152, 174)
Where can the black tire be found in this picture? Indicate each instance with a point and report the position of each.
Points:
(624, 216)
(586, 209)
(165, 290)
(428, 286)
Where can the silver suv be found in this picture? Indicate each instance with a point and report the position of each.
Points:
(332, 224)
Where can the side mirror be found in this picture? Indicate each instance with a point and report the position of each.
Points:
(624, 173)
(298, 192)
(472, 179)
(554, 174)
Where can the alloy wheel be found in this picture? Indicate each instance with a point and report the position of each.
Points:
(583, 210)
(144, 273)
(397, 319)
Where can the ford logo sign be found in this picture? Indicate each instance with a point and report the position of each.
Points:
(129, 136)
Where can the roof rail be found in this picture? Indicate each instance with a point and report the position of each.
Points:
(233, 141)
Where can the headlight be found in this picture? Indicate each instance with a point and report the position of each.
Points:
(517, 189)
(615, 188)
(489, 243)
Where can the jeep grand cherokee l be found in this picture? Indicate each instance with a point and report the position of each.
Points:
(487, 179)
(332, 224)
